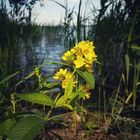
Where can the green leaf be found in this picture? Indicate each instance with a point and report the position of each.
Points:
(77, 94)
(69, 88)
(25, 78)
(127, 60)
(50, 85)
(9, 77)
(69, 106)
(60, 102)
(26, 129)
(5, 126)
(63, 102)
(135, 47)
(88, 77)
(38, 98)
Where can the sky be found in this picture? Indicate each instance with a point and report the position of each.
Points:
(52, 13)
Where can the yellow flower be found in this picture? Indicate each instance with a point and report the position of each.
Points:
(64, 83)
(68, 75)
(91, 56)
(78, 53)
(60, 74)
(81, 56)
(86, 92)
(64, 76)
(68, 56)
(89, 67)
(87, 95)
(79, 62)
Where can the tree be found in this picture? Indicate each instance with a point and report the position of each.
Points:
(19, 8)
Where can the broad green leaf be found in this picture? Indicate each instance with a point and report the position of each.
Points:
(88, 77)
(5, 126)
(69, 87)
(35, 112)
(26, 129)
(38, 98)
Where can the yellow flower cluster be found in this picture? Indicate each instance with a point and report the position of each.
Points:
(64, 76)
(82, 55)
(85, 89)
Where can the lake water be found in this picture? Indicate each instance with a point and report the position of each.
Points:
(41, 52)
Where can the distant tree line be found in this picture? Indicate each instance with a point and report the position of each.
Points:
(20, 10)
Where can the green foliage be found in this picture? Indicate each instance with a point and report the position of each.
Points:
(110, 29)
(69, 88)
(69, 97)
(88, 77)
(127, 67)
(38, 98)
(9, 77)
(26, 128)
(5, 126)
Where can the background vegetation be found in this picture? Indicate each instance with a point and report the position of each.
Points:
(115, 31)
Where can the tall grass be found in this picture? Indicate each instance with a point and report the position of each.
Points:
(15, 39)
(77, 23)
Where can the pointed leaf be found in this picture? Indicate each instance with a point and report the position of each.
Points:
(77, 94)
(69, 106)
(60, 102)
(51, 85)
(69, 88)
(38, 98)
(5, 126)
(88, 77)
(135, 47)
(26, 129)
(63, 102)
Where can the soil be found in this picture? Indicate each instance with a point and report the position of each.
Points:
(88, 126)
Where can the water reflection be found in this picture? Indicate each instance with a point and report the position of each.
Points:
(41, 52)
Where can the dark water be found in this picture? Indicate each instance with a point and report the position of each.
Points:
(41, 52)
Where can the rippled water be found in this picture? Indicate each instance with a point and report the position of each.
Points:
(42, 52)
